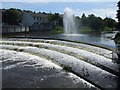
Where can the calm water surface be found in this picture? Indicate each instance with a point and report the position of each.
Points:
(87, 38)
(91, 38)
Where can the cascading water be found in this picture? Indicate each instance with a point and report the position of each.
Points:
(69, 22)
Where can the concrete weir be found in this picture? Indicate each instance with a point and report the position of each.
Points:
(88, 64)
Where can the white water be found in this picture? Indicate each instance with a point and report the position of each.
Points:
(69, 22)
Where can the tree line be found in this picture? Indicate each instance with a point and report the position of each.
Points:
(118, 14)
(97, 23)
(13, 16)
(117, 36)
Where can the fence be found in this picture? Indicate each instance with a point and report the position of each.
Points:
(14, 29)
(40, 27)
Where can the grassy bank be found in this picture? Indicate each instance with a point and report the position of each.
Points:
(117, 39)
(58, 30)
(85, 29)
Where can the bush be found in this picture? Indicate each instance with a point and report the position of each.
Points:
(85, 29)
(107, 29)
(67, 69)
(117, 39)
(57, 30)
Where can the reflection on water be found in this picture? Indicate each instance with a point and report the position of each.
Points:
(92, 38)
(88, 38)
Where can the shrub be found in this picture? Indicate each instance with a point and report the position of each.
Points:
(57, 30)
(66, 68)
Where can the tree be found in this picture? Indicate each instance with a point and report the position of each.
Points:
(109, 22)
(84, 20)
(11, 16)
(118, 14)
(95, 22)
(55, 18)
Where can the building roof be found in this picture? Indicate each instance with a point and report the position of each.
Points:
(35, 14)
(38, 15)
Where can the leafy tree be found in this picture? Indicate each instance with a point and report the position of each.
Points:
(57, 30)
(55, 18)
(95, 22)
(100, 23)
(44, 13)
(118, 14)
(11, 16)
(109, 22)
(84, 20)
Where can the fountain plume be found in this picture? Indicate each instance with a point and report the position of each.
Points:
(69, 22)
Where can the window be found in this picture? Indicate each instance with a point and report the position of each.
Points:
(40, 18)
(34, 18)
(37, 18)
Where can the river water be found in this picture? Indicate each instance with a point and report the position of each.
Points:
(102, 39)
(88, 38)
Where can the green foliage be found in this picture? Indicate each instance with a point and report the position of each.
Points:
(118, 14)
(52, 17)
(97, 23)
(117, 39)
(85, 29)
(11, 16)
(57, 30)
(55, 17)
(107, 29)
(67, 69)
(84, 20)
(109, 22)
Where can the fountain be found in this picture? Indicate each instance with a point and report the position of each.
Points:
(69, 22)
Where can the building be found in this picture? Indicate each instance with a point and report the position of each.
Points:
(29, 18)
(36, 21)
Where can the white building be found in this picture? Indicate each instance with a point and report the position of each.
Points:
(29, 18)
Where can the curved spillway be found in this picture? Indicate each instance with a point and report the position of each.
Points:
(90, 65)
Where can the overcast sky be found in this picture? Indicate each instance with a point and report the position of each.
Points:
(100, 8)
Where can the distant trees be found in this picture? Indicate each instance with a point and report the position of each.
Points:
(84, 20)
(55, 18)
(92, 21)
(97, 23)
(109, 22)
(11, 16)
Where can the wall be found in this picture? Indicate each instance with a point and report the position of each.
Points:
(14, 29)
(27, 19)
